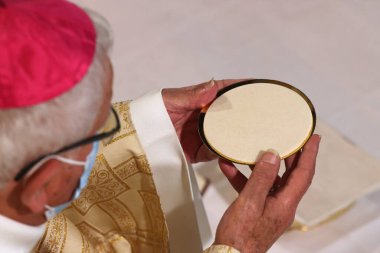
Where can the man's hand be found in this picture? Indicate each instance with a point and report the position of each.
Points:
(183, 106)
(266, 204)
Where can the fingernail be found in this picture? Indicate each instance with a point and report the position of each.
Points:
(211, 83)
(270, 156)
(273, 151)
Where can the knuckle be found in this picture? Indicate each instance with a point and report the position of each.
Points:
(285, 219)
(248, 206)
(265, 171)
(288, 204)
(291, 202)
(266, 166)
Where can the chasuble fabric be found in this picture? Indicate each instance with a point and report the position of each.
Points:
(120, 210)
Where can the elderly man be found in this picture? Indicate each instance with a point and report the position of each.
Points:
(77, 175)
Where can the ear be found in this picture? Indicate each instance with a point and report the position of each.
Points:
(36, 191)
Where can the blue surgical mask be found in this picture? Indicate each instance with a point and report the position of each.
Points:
(52, 211)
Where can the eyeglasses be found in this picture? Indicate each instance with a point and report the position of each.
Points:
(111, 126)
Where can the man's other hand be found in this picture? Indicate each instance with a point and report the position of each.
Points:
(267, 203)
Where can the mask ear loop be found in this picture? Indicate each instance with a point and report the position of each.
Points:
(68, 160)
(56, 157)
(51, 212)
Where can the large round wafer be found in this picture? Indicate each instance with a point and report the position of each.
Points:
(256, 115)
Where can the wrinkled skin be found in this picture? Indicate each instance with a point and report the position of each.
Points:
(259, 216)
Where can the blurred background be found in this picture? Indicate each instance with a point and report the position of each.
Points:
(329, 49)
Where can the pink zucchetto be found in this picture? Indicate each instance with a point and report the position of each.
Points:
(46, 48)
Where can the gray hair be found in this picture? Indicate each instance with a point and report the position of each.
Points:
(27, 133)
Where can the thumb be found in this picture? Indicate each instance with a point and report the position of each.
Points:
(202, 94)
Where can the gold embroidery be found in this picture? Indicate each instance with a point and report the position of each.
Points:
(94, 237)
(119, 202)
(120, 214)
(157, 219)
(102, 185)
(143, 165)
(131, 167)
(85, 245)
(115, 139)
(53, 240)
(127, 129)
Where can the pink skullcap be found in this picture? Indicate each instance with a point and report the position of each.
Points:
(46, 48)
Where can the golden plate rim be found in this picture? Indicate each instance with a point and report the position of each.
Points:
(246, 82)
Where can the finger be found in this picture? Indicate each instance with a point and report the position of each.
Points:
(204, 93)
(262, 178)
(291, 161)
(204, 154)
(189, 98)
(300, 178)
(196, 96)
(234, 176)
(290, 164)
